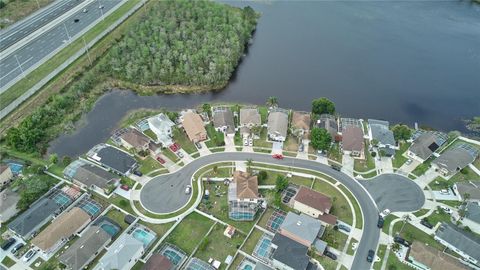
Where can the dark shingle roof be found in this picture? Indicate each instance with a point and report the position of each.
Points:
(290, 252)
(455, 159)
(224, 118)
(380, 132)
(424, 146)
(114, 158)
(462, 240)
(92, 175)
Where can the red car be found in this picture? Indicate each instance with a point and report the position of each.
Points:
(277, 156)
(125, 187)
(161, 160)
(175, 147)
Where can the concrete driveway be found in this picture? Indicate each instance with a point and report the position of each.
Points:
(395, 192)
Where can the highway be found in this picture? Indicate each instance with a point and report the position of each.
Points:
(25, 27)
(13, 65)
(165, 193)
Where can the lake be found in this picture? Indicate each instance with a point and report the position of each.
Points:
(404, 62)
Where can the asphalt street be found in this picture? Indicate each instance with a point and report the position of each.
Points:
(23, 28)
(27, 56)
(166, 193)
(395, 192)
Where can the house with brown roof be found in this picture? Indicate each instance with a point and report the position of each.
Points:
(61, 230)
(300, 125)
(311, 202)
(250, 117)
(425, 257)
(243, 196)
(353, 143)
(158, 262)
(134, 139)
(193, 125)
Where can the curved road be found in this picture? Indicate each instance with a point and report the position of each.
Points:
(165, 193)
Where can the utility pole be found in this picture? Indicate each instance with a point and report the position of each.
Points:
(86, 49)
(20, 66)
(101, 9)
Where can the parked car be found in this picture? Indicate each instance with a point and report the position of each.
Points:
(198, 145)
(425, 223)
(344, 227)
(385, 213)
(9, 243)
(370, 255)
(277, 156)
(444, 191)
(301, 147)
(336, 167)
(380, 222)
(179, 154)
(400, 240)
(175, 147)
(17, 247)
(408, 162)
(330, 255)
(125, 187)
(137, 173)
(446, 209)
(250, 141)
(29, 255)
(161, 160)
(188, 189)
(245, 141)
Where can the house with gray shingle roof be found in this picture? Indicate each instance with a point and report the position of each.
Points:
(122, 254)
(472, 216)
(303, 229)
(223, 120)
(424, 146)
(288, 254)
(455, 159)
(278, 125)
(465, 244)
(378, 131)
(469, 190)
(8, 204)
(89, 176)
(112, 158)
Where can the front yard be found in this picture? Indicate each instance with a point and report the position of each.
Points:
(262, 141)
(399, 159)
(364, 165)
(181, 138)
(340, 207)
(148, 164)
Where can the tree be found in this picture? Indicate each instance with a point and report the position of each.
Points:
(281, 183)
(66, 160)
(272, 101)
(395, 247)
(323, 105)
(401, 132)
(207, 108)
(123, 203)
(53, 159)
(262, 176)
(320, 139)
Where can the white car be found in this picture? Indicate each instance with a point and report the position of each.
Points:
(245, 141)
(444, 192)
(385, 213)
(188, 189)
(85, 10)
(408, 162)
(29, 255)
(446, 209)
(250, 141)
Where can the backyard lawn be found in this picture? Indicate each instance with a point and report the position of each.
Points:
(263, 221)
(340, 207)
(252, 241)
(334, 238)
(117, 216)
(190, 232)
(466, 174)
(218, 246)
(170, 155)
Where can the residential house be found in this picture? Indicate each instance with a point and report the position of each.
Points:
(304, 230)
(465, 244)
(6, 175)
(329, 122)
(8, 204)
(423, 257)
(195, 264)
(86, 248)
(113, 159)
(353, 143)
(158, 262)
(134, 139)
(162, 126)
(39, 214)
(193, 125)
(122, 254)
(472, 216)
(61, 230)
(381, 136)
(223, 120)
(301, 124)
(243, 197)
(278, 125)
(345, 122)
(288, 254)
(455, 159)
(311, 202)
(250, 117)
(425, 145)
(90, 176)
(468, 191)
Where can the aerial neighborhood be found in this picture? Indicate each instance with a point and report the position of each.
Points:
(257, 205)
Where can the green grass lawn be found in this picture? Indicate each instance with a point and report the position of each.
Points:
(170, 155)
(327, 263)
(217, 205)
(422, 168)
(334, 238)
(271, 177)
(219, 246)
(190, 232)
(438, 216)
(118, 217)
(234, 265)
(291, 144)
(380, 253)
(263, 111)
(394, 264)
(252, 240)
(151, 134)
(263, 221)
(350, 250)
(356, 207)
(364, 165)
(301, 181)
(386, 224)
(440, 183)
(420, 212)
(8, 262)
(410, 233)
(215, 138)
(262, 141)
(181, 138)
(149, 164)
(335, 153)
(399, 159)
(238, 139)
(340, 207)
(465, 174)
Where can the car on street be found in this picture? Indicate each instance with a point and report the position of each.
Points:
(161, 160)
(336, 167)
(188, 189)
(198, 145)
(9, 243)
(17, 247)
(76, 20)
(330, 255)
(85, 10)
(427, 224)
(380, 222)
(370, 255)
(125, 187)
(137, 173)
(101, 7)
(385, 212)
(343, 227)
(277, 156)
(29, 255)
(400, 240)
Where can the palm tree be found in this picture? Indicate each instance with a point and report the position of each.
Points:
(206, 108)
(272, 101)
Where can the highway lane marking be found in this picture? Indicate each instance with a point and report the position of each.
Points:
(16, 68)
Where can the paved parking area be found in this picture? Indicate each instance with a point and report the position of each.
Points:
(395, 192)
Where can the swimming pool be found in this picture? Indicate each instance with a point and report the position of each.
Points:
(15, 168)
(145, 237)
(263, 248)
(175, 255)
(111, 229)
(62, 199)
